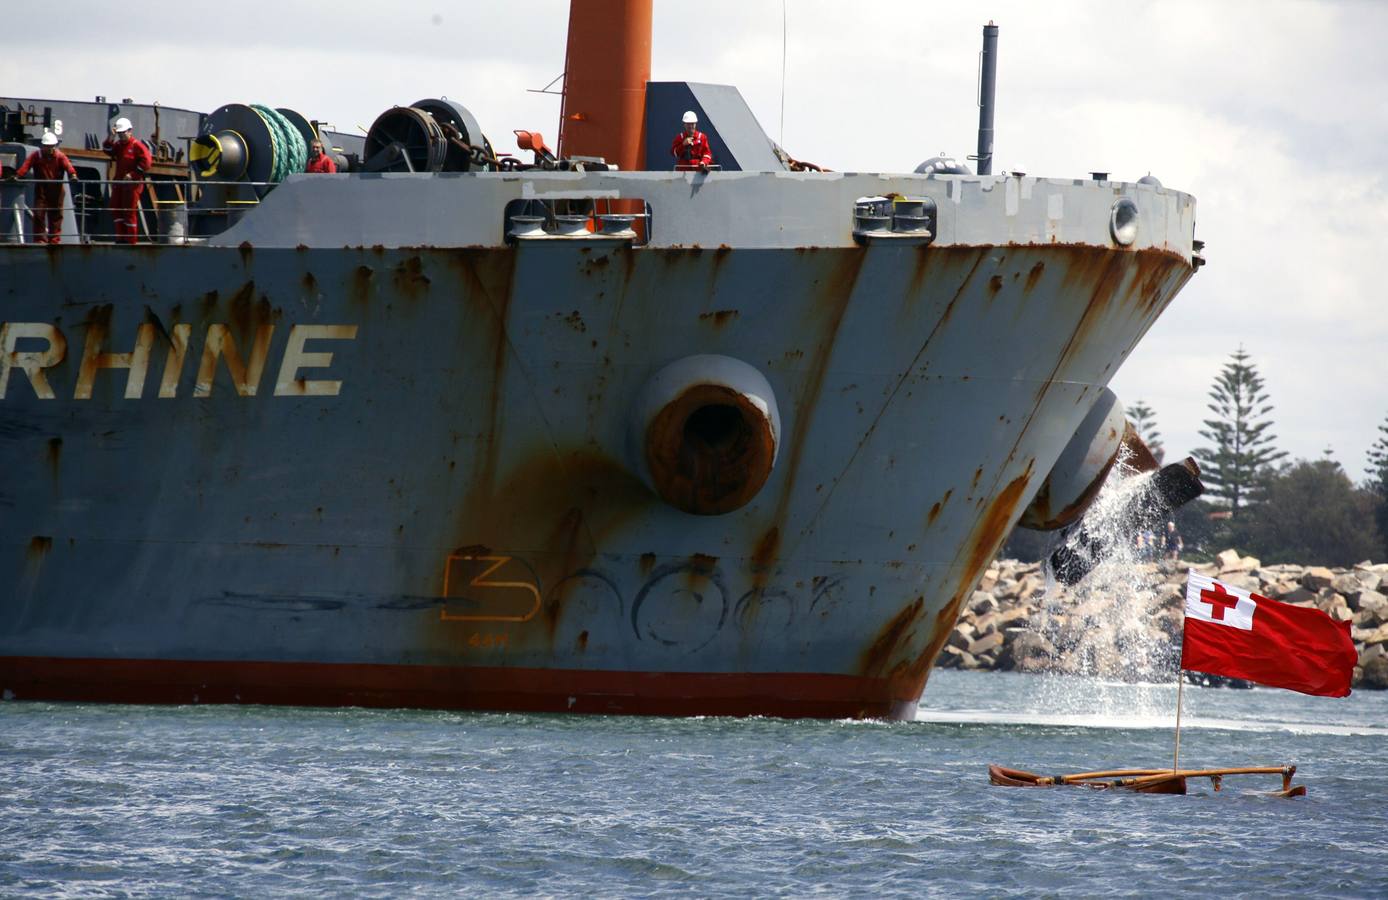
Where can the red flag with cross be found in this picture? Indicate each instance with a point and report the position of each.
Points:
(1239, 634)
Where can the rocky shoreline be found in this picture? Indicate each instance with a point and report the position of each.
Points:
(1124, 620)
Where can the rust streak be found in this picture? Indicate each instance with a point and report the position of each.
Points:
(983, 544)
(719, 317)
(893, 635)
(939, 506)
(979, 255)
(409, 278)
(1034, 276)
(153, 319)
(629, 267)
(993, 527)
(571, 499)
(922, 264)
(495, 297)
(566, 538)
(359, 292)
(39, 545)
(98, 324)
(1110, 267)
(764, 556)
(837, 293)
(1071, 513)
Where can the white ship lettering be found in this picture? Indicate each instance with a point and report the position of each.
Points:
(218, 344)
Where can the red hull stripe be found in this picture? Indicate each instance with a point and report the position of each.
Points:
(790, 695)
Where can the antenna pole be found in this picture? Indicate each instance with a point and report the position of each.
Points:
(783, 74)
(1180, 690)
(987, 77)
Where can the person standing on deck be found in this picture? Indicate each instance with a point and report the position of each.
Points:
(133, 159)
(690, 147)
(48, 163)
(319, 163)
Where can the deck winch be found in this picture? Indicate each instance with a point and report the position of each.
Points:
(427, 136)
(705, 433)
(241, 152)
(251, 143)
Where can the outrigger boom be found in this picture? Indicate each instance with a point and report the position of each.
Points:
(1146, 781)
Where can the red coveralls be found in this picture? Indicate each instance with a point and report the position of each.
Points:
(133, 159)
(693, 155)
(48, 198)
(322, 165)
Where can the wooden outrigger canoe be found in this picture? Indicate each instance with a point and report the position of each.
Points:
(1143, 781)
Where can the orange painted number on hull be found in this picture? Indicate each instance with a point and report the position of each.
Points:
(487, 591)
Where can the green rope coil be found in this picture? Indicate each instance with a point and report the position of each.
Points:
(287, 146)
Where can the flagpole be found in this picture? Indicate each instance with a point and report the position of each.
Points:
(1180, 690)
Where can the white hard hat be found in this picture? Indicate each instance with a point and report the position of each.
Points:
(122, 125)
(690, 118)
(49, 139)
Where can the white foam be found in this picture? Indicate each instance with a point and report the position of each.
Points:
(1134, 722)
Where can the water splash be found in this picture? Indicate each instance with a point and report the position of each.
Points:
(1113, 629)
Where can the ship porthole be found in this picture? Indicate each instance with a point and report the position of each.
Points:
(1122, 222)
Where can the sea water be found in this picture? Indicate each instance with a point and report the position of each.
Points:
(100, 800)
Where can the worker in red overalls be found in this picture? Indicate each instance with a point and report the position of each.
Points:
(690, 147)
(319, 162)
(133, 160)
(49, 163)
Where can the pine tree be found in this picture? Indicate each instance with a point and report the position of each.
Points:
(1145, 421)
(1378, 463)
(1377, 483)
(1242, 455)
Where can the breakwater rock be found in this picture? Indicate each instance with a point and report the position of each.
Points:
(1124, 620)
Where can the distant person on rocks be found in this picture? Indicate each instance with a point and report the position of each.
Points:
(690, 147)
(1174, 544)
(319, 163)
(49, 164)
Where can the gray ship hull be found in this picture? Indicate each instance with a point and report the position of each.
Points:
(445, 511)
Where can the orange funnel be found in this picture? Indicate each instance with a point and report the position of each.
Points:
(605, 75)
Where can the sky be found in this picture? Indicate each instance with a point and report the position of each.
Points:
(1273, 114)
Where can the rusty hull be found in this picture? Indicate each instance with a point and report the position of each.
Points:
(458, 524)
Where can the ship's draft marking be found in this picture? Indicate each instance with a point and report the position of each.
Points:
(479, 581)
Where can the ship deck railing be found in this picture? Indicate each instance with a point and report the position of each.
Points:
(163, 216)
